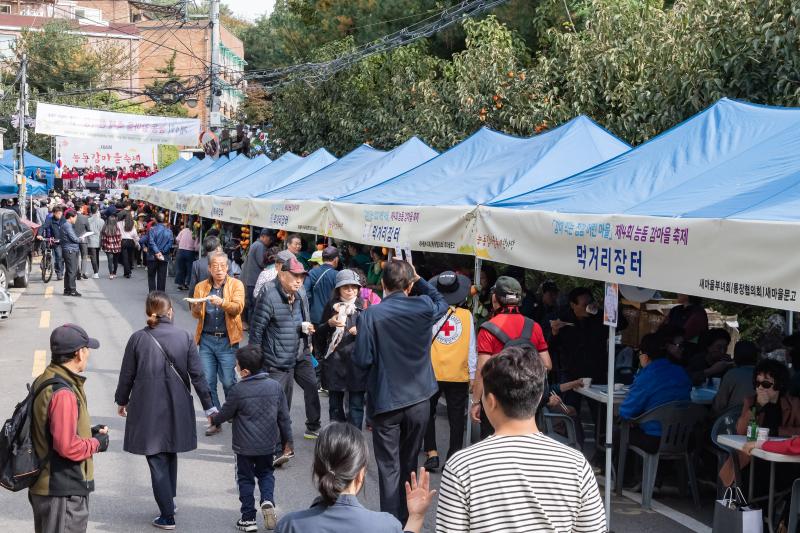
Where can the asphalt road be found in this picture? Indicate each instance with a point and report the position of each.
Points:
(111, 310)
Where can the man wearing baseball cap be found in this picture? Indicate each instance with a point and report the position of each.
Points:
(62, 433)
(281, 327)
(507, 327)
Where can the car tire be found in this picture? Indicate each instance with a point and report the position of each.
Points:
(22, 281)
(3, 278)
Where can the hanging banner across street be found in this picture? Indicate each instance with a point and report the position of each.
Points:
(83, 153)
(83, 123)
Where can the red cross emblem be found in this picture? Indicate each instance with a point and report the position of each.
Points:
(448, 328)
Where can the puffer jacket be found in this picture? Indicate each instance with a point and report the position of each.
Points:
(274, 330)
(260, 416)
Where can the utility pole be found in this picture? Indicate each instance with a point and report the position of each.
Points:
(22, 115)
(213, 115)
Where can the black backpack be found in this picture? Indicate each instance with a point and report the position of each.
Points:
(19, 464)
(523, 340)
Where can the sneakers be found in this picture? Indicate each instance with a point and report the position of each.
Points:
(311, 434)
(246, 525)
(213, 430)
(164, 523)
(270, 516)
(95, 276)
(432, 464)
(282, 459)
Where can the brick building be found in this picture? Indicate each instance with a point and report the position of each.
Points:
(145, 42)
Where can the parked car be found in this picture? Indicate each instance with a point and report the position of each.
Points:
(6, 305)
(16, 250)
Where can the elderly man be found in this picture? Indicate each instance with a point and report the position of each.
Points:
(394, 345)
(320, 282)
(219, 326)
(281, 327)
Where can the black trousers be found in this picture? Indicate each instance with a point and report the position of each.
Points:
(397, 439)
(84, 256)
(164, 478)
(248, 302)
(303, 374)
(94, 257)
(70, 270)
(455, 395)
(157, 275)
(128, 249)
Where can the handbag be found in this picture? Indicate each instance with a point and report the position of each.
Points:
(732, 514)
(171, 363)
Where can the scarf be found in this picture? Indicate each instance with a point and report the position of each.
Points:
(343, 309)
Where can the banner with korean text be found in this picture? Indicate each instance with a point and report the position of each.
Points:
(306, 216)
(733, 260)
(443, 229)
(77, 122)
(83, 153)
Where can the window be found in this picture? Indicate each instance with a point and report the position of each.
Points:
(10, 225)
(4, 8)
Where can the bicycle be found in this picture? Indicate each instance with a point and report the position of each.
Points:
(47, 263)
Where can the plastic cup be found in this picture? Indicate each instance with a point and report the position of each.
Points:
(762, 435)
(587, 382)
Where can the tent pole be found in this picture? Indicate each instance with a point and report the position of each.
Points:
(789, 322)
(612, 347)
(200, 218)
(476, 278)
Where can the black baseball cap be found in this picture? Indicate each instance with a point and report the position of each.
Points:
(70, 338)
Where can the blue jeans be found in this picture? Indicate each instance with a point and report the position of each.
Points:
(355, 407)
(250, 469)
(219, 361)
(183, 266)
(58, 260)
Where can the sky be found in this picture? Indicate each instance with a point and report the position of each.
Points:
(250, 9)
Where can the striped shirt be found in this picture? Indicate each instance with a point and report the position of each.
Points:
(519, 483)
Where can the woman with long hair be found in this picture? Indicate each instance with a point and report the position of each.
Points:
(153, 393)
(130, 241)
(111, 242)
(340, 468)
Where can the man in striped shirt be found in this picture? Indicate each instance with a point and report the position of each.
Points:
(518, 479)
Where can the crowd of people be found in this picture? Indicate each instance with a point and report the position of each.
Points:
(98, 177)
(386, 344)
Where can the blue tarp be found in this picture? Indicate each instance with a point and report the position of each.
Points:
(733, 160)
(205, 166)
(178, 166)
(8, 185)
(275, 176)
(362, 168)
(32, 163)
(238, 167)
(35, 188)
(490, 165)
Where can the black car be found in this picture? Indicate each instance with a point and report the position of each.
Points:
(16, 250)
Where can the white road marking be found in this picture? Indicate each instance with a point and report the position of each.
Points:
(44, 320)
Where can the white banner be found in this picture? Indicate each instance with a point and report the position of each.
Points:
(732, 260)
(222, 208)
(443, 229)
(108, 153)
(82, 123)
(293, 216)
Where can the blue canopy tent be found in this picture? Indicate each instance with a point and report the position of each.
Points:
(192, 173)
(362, 168)
(239, 167)
(178, 166)
(8, 183)
(35, 188)
(490, 164)
(32, 164)
(240, 186)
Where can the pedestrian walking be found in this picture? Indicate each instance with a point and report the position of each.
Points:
(497, 484)
(320, 282)
(281, 328)
(219, 326)
(261, 422)
(256, 262)
(200, 267)
(158, 244)
(111, 242)
(70, 249)
(93, 241)
(394, 345)
(340, 468)
(63, 436)
(130, 240)
(334, 342)
(275, 258)
(82, 228)
(188, 245)
(454, 358)
(52, 230)
(153, 394)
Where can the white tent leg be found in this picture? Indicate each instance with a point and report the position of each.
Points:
(476, 278)
(789, 322)
(612, 347)
(201, 234)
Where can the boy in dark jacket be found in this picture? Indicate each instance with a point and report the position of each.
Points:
(260, 415)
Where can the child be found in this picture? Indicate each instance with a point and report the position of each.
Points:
(260, 415)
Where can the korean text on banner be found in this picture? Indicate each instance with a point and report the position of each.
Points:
(105, 153)
(68, 121)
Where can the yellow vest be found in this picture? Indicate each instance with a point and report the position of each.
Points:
(450, 348)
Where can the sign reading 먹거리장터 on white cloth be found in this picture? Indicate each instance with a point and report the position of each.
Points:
(82, 123)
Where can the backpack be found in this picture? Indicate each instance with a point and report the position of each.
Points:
(19, 464)
(523, 340)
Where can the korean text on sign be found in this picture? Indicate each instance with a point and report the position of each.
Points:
(618, 261)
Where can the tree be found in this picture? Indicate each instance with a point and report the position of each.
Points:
(167, 75)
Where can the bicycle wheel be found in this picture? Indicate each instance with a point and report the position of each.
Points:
(47, 266)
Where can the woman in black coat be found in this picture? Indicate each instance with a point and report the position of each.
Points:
(153, 393)
(337, 334)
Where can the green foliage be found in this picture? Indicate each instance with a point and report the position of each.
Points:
(167, 74)
(167, 154)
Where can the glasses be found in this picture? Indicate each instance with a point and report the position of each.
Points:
(764, 384)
